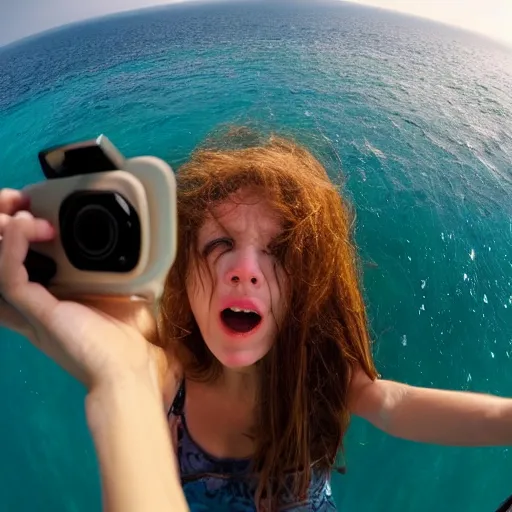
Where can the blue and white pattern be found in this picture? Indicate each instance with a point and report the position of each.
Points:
(225, 485)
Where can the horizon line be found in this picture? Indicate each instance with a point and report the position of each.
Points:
(181, 3)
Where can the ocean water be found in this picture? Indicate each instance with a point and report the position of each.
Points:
(415, 117)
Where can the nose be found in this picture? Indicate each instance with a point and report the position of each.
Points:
(245, 270)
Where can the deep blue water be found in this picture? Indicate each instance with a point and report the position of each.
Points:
(418, 119)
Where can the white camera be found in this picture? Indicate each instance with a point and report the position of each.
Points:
(115, 220)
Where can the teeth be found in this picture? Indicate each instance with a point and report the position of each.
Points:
(238, 310)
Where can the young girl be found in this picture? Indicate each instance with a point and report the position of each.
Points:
(262, 353)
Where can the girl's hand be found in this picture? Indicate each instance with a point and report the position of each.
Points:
(98, 341)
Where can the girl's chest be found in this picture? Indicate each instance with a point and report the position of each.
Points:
(221, 426)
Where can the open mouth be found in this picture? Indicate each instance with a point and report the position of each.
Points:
(240, 320)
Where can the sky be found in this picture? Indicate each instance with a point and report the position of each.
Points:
(21, 18)
(492, 18)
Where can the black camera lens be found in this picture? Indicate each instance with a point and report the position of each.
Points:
(100, 231)
(95, 231)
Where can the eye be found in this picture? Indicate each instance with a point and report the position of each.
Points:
(225, 243)
(269, 251)
(276, 250)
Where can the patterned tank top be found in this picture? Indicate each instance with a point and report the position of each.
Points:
(224, 485)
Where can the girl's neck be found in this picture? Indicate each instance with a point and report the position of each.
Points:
(239, 383)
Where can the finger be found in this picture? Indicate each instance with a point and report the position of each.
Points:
(30, 299)
(4, 220)
(12, 201)
(44, 231)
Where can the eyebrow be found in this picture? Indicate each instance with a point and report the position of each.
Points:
(216, 227)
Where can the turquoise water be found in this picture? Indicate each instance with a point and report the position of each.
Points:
(418, 119)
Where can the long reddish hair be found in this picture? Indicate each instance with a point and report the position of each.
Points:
(302, 412)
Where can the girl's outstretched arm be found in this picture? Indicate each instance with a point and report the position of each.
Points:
(108, 350)
(135, 453)
(432, 415)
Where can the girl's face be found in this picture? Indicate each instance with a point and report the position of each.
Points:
(238, 308)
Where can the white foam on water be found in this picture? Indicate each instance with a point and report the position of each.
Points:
(377, 152)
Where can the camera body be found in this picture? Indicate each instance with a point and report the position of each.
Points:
(115, 220)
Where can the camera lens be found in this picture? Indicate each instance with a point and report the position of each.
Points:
(100, 231)
(95, 231)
